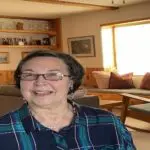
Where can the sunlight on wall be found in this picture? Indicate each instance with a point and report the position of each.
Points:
(107, 47)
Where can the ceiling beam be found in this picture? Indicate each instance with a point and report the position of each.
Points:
(69, 3)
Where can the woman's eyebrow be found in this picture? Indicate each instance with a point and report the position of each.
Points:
(54, 70)
(27, 70)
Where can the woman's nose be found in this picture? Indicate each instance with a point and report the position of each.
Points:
(40, 80)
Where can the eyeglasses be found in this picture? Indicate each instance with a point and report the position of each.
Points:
(52, 76)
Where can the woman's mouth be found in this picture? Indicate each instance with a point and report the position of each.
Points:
(43, 93)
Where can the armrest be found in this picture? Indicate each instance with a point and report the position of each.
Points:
(135, 97)
(88, 100)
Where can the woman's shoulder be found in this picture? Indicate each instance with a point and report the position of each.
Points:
(97, 114)
(14, 115)
(9, 118)
(6, 118)
(8, 122)
(94, 111)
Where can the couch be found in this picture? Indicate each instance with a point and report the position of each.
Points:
(10, 99)
(110, 85)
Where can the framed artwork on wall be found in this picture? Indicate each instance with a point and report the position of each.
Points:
(4, 57)
(82, 46)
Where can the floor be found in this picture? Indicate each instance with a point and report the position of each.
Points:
(141, 140)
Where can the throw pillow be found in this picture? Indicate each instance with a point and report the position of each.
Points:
(145, 84)
(137, 80)
(102, 79)
(121, 81)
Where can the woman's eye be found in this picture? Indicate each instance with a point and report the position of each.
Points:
(51, 74)
(27, 75)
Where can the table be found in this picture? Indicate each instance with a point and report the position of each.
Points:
(125, 99)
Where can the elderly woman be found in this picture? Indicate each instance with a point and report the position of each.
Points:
(49, 120)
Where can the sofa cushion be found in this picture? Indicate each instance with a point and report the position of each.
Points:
(102, 79)
(137, 79)
(117, 81)
(145, 84)
(141, 108)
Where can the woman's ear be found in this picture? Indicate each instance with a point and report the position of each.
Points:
(70, 86)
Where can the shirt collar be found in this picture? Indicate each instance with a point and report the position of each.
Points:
(80, 117)
(31, 125)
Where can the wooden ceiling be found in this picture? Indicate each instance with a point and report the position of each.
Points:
(81, 3)
(47, 9)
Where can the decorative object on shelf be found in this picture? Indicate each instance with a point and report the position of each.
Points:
(38, 42)
(82, 46)
(46, 27)
(46, 41)
(53, 40)
(13, 41)
(19, 26)
(20, 42)
(4, 57)
(5, 41)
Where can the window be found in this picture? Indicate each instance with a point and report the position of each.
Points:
(128, 47)
(107, 44)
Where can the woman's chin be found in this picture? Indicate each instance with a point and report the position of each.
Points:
(45, 101)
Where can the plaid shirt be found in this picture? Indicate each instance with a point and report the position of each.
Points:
(91, 129)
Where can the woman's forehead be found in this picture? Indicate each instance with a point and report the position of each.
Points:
(45, 62)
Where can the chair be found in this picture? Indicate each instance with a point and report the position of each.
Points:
(138, 111)
(93, 101)
(88, 100)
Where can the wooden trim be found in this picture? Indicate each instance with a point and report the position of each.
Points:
(18, 17)
(27, 46)
(52, 33)
(129, 21)
(114, 47)
(63, 2)
(135, 97)
(59, 32)
(7, 77)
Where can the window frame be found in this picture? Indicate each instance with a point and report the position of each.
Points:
(121, 24)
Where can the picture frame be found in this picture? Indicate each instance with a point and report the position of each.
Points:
(4, 57)
(82, 46)
(24, 54)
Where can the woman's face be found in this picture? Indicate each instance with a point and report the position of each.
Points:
(44, 92)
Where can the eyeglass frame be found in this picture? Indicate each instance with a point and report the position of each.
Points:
(61, 76)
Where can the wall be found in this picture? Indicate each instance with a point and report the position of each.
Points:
(89, 24)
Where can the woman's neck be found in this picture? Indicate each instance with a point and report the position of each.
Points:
(54, 118)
